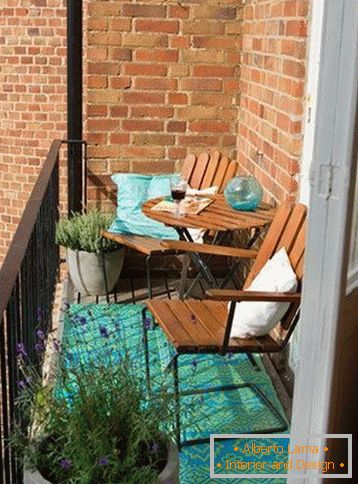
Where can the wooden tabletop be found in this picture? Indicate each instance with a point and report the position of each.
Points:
(218, 216)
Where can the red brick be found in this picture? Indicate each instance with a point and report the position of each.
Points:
(203, 27)
(211, 99)
(153, 139)
(97, 24)
(97, 54)
(140, 166)
(145, 69)
(209, 126)
(180, 42)
(118, 111)
(213, 71)
(145, 40)
(191, 140)
(231, 85)
(202, 84)
(103, 9)
(283, 122)
(142, 125)
(176, 153)
(297, 88)
(177, 98)
(294, 69)
(119, 138)
(296, 28)
(156, 55)
(152, 112)
(143, 98)
(294, 48)
(176, 127)
(303, 8)
(103, 68)
(96, 138)
(218, 13)
(165, 26)
(155, 84)
(121, 54)
(290, 8)
(120, 24)
(214, 42)
(178, 11)
(143, 10)
(120, 82)
(142, 152)
(97, 110)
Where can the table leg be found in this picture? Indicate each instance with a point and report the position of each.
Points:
(184, 276)
(217, 240)
(197, 260)
(236, 264)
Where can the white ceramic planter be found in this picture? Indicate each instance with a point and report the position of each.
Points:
(86, 270)
(169, 475)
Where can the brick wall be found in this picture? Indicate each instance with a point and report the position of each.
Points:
(272, 81)
(162, 81)
(32, 98)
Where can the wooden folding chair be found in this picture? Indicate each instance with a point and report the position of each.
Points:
(194, 326)
(201, 172)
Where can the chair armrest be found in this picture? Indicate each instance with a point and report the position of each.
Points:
(234, 295)
(183, 246)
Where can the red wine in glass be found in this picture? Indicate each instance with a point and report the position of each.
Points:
(178, 190)
(178, 194)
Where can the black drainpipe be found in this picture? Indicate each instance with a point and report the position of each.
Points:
(74, 105)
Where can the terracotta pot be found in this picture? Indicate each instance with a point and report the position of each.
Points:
(86, 270)
(169, 475)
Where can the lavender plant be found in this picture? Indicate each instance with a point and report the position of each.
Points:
(90, 423)
(82, 232)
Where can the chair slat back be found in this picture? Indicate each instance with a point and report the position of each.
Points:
(188, 167)
(211, 170)
(199, 170)
(286, 230)
(220, 172)
(229, 174)
(208, 170)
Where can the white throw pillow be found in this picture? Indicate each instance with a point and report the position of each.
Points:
(259, 318)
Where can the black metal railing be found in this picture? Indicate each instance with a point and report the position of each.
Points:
(28, 279)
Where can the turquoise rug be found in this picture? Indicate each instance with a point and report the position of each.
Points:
(100, 331)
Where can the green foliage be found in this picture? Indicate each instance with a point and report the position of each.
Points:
(82, 232)
(96, 426)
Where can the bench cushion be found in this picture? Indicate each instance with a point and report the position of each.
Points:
(133, 190)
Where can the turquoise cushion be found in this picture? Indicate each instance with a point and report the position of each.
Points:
(133, 191)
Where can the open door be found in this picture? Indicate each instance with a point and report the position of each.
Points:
(325, 397)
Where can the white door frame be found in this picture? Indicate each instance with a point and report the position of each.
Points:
(332, 180)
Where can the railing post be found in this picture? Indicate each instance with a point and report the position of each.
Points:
(74, 104)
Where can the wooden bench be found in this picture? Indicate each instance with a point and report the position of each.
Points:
(201, 172)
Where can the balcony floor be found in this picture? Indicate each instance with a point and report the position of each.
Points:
(236, 411)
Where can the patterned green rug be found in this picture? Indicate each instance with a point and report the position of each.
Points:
(103, 331)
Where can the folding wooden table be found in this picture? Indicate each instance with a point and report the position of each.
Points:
(219, 218)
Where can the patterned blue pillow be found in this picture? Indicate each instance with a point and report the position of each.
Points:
(133, 190)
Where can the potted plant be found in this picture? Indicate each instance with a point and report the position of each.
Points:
(93, 262)
(93, 424)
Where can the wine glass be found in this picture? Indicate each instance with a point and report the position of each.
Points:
(178, 190)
